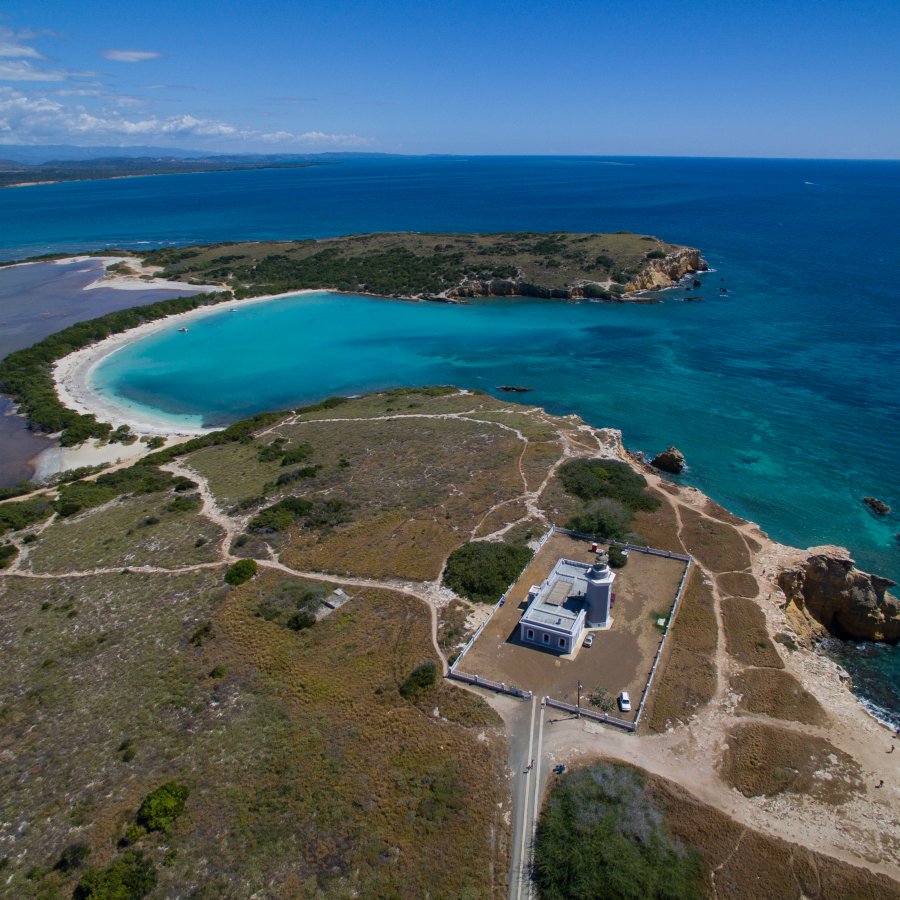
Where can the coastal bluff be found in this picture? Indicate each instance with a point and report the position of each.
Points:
(440, 267)
(827, 590)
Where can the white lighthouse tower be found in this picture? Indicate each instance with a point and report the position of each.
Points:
(599, 593)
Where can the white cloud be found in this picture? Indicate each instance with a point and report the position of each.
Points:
(314, 139)
(9, 50)
(25, 71)
(131, 56)
(12, 46)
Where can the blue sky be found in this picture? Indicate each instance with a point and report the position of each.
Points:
(810, 79)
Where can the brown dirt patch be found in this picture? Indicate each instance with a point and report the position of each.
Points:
(452, 630)
(763, 760)
(711, 508)
(687, 679)
(660, 527)
(719, 547)
(755, 546)
(737, 584)
(755, 866)
(746, 634)
(777, 694)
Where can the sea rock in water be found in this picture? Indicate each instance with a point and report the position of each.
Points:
(853, 605)
(671, 460)
(879, 507)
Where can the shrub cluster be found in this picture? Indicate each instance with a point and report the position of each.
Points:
(422, 677)
(22, 513)
(483, 570)
(129, 877)
(313, 514)
(600, 836)
(162, 806)
(293, 604)
(241, 572)
(612, 492)
(394, 271)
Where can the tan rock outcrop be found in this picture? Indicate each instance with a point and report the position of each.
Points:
(663, 273)
(828, 589)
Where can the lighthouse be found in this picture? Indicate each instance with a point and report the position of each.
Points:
(599, 592)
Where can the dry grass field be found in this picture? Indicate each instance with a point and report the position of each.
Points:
(316, 766)
(745, 863)
(764, 759)
(689, 681)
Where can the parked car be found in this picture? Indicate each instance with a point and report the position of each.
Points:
(625, 701)
(588, 640)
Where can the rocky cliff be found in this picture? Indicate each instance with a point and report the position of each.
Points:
(656, 274)
(850, 604)
(662, 273)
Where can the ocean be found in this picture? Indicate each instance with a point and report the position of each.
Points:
(782, 394)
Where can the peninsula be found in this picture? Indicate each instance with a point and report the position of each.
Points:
(437, 267)
(238, 641)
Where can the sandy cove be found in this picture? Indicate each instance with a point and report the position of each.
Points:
(72, 374)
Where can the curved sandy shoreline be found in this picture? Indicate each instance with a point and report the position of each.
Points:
(72, 374)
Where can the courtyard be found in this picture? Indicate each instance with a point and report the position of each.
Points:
(621, 656)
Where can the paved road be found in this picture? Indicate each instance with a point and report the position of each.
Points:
(526, 747)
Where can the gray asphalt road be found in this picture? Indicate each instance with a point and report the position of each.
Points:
(530, 769)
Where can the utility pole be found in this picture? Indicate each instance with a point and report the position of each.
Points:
(579, 700)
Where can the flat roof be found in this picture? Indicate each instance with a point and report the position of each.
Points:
(560, 599)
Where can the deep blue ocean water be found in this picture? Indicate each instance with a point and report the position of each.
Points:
(783, 396)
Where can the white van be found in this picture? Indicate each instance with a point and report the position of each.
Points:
(625, 702)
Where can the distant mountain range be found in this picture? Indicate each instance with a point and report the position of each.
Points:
(25, 164)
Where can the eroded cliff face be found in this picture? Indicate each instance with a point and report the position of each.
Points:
(656, 274)
(828, 589)
(662, 273)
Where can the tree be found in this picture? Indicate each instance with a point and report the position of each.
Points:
(241, 572)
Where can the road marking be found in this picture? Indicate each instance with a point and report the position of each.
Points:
(520, 875)
(536, 774)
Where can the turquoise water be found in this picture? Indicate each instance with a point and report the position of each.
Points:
(782, 396)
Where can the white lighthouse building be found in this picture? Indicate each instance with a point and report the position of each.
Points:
(575, 596)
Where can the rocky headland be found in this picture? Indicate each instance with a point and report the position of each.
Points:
(827, 593)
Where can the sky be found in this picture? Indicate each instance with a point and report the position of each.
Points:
(646, 77)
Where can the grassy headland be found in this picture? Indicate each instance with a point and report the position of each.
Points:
(560, 264)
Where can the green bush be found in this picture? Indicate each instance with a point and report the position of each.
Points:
(72, 857)
(8, 553)
(422, 677)
(241, 572)
(483, 570)
(603, 519)
(161, 807)
(617, 558)
(130, 877)
(590, 479)
(600, 836)
(293, 604)
(22, 513)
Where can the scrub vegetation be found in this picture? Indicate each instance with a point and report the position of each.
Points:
(421, 264)
(612, 493)
(482, 571)
(601, 836)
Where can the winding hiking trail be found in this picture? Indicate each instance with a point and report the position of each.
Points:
(862, 833)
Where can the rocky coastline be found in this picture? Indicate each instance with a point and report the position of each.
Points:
(657, 274)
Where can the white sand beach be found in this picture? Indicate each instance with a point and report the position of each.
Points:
(73, 373)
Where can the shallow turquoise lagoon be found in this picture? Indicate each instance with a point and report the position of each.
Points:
(666, 373)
